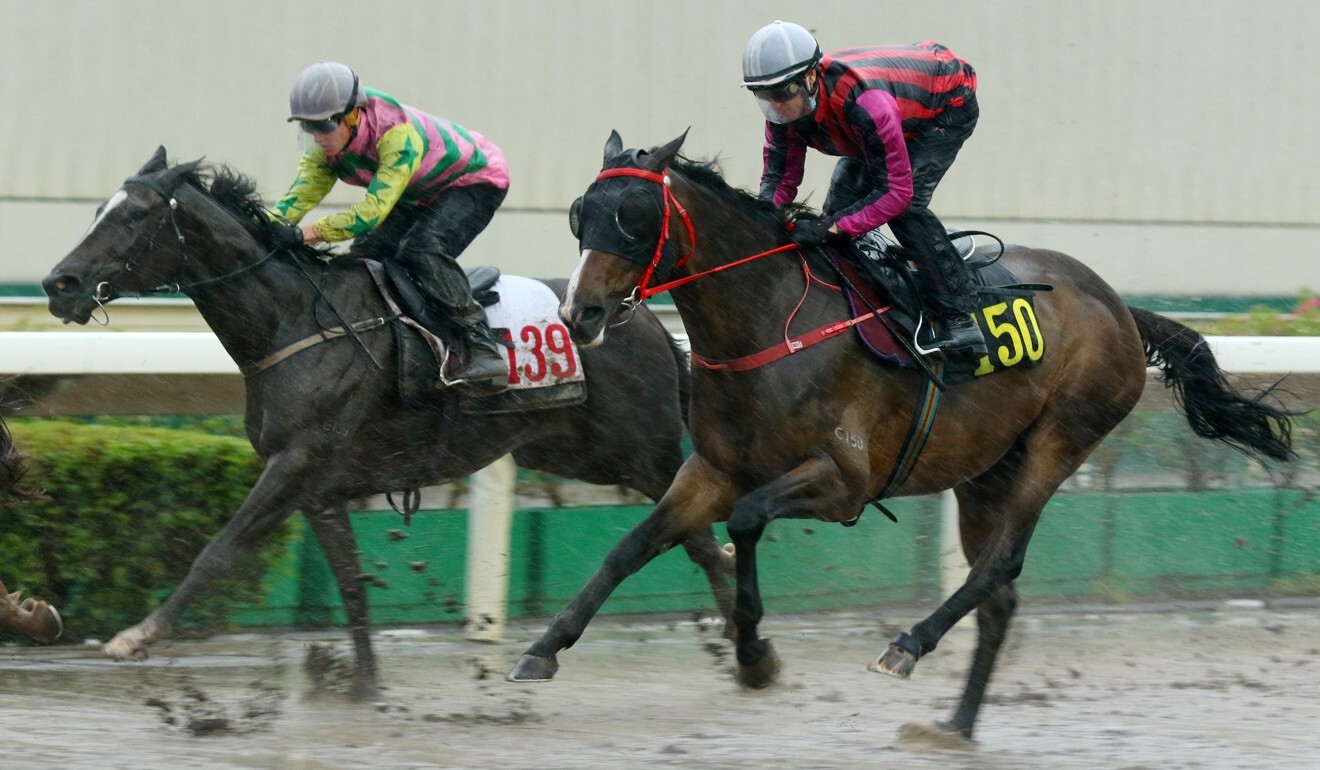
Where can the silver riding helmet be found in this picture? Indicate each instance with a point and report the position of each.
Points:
(774, 61)
(324, 90)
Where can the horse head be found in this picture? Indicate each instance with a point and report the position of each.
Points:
(134, 243)
(623, 223)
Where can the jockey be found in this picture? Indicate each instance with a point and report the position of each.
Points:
(432, 187)
(897, 114)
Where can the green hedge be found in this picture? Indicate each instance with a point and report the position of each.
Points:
(126, 511)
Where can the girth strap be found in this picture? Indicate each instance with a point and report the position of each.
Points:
(310, 341)
(923, 421)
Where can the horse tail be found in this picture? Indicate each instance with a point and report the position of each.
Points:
(1213, 408)
(683, 368)
(12, 468)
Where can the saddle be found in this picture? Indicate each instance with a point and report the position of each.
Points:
(423, 353)
(880, 278)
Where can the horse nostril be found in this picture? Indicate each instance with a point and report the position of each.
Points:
(59, 284)
(590, 315)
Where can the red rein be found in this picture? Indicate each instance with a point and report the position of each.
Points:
(644, 291)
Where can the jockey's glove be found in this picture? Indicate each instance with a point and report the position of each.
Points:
(284, 235)
(813, 232)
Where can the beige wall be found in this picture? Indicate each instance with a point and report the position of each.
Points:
(1168, 139)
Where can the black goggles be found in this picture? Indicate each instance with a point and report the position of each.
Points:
(781, 92)
(321, 126)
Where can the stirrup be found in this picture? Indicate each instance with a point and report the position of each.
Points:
(948, 353)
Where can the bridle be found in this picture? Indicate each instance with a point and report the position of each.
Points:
(172, 206)
(104, 291)
(644, 290)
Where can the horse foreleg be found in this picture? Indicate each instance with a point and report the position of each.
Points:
(29, 616)
(697, 498)
(335, 533)
(268, 504)
(813, 490)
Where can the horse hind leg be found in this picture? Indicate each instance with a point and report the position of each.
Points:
(335, 534)
(998, 512)
(717, 564)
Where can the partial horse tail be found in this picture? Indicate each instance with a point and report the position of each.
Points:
(12, 469)
(1213, 408)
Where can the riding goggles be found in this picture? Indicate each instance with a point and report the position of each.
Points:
(780, 92)
(780, 103)
(325, 126)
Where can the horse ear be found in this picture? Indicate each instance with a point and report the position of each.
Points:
(157, 162)
(613, 145)
(661, 157)
(170, 180)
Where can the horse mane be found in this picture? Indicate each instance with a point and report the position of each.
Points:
(708, 175)
(236, 192)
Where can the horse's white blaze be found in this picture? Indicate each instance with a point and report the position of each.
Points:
(566, 307)
(110, 205)
(573, 280)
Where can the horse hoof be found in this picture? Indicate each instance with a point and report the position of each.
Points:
(762, 673)
(533, 668)
(52, 625)
(937, 736)
(729, 556)
(895, 662)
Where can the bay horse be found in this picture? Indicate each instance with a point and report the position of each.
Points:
(815, 433)
(329, 424)
(33, 617)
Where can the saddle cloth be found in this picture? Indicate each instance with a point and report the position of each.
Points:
(545, 369)
(1006, 316)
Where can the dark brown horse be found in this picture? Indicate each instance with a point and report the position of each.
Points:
(329, 422)
(814, 435)
(32, 617)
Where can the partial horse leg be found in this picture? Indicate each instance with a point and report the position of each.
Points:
(270, 502)
(998, 512)
(699, 496)
(30, 616)
(704, 551)
(992, 620)
(813, 490)
(335, 533)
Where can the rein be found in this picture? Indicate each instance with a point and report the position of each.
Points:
(102, 292)
(174, 288)
(643, 291)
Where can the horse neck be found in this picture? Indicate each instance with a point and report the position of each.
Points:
(742, 309)
(248, 309)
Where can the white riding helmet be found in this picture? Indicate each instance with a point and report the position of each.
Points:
(778, 52)
(324, 90)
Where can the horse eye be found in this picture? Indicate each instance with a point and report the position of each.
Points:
(575, 218)
(638, 215)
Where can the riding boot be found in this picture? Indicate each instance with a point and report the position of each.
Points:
(483, 366)
(960, 336)
(951, 296)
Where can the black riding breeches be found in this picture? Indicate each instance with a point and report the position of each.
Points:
(427, 241)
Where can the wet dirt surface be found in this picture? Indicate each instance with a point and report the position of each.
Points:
(1232, 687)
